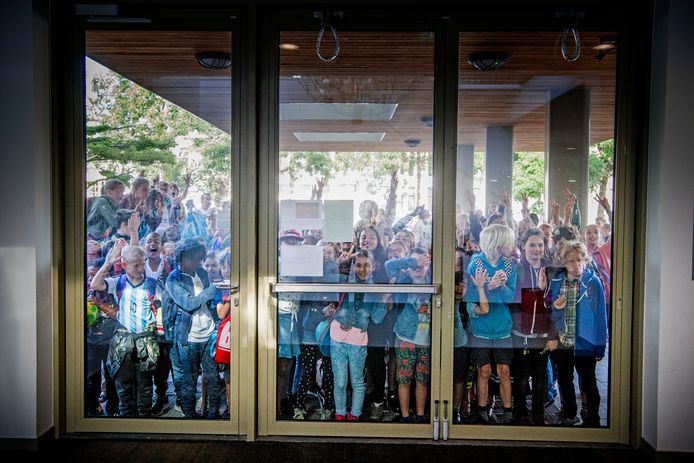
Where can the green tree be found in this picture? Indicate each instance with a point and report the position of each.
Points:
(132, 131)
(601, 169)
(529, 178)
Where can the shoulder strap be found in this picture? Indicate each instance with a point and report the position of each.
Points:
(120, 286)
(151, 284)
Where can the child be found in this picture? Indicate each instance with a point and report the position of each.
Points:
(133, 351)
(412, 331)
(533, 329)
(188, 297)
(349, 338)
(313, 309)
(101, 221)
(578, 309)
(158, 268)
(493, 275)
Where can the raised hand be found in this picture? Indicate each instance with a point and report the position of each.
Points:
(480, 278)
(345, 256)
(114, 254)
(134, 222)
(505, 199)
(470, 199)
(604, 202)
(554, 208)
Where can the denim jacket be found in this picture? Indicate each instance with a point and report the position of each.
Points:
(180, 303)
(358, 308)
(102, 217)
(414, 310)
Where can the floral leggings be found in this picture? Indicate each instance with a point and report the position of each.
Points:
(412, 360)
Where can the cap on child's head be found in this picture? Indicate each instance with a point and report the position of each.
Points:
(290, 234)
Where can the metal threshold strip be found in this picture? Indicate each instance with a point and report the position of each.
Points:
(353, 288)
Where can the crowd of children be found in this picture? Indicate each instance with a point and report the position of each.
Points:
(157, 286)
(532, 304)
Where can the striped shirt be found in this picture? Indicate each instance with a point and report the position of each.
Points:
(134, 308)
(569, 289)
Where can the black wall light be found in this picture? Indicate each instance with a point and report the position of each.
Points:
(214, 59)
(488, 61)
(412, 142)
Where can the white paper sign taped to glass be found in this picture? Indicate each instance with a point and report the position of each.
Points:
(301, 215)
(301, 261)
(337, 220)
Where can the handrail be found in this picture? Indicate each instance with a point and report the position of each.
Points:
(281, 287)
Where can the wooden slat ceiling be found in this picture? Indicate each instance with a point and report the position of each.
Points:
(377, 68)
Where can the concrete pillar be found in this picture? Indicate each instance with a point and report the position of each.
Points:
(499, 163)
(567, 147)
(465, 169)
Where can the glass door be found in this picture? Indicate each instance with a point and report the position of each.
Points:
(157, 343)
(352, 235)
(531, 349)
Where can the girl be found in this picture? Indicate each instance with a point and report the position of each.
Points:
(578, 310)
(491, 322)
(349, 338)
(533, 329)
(370, 241)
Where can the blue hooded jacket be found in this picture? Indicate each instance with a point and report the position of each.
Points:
(591, 314)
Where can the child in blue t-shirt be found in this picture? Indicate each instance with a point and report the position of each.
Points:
(493, 286)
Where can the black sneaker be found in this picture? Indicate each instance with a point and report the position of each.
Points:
(158, 407)
(394, 403)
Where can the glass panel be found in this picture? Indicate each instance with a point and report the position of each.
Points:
(355, 195)
(158, 205)
(534, 198)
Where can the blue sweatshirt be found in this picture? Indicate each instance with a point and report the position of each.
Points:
(497, 323)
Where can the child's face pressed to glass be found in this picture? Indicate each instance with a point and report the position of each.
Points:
(396, 251)
(135, 268)
(141, 192)
(212, 267)
(418, 272)
(368, 240)
(116, 194)
(328, 253)
(153, 245)
(592, 235)
(534, 248)
(575, 264)
(362, 267)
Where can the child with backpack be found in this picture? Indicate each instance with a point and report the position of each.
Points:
(133, 351)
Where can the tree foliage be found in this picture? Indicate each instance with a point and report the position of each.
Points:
(529, 178)
(131, 130)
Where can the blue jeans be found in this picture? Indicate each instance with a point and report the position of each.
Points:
(193, 355)
(177, 373)
(344, 356)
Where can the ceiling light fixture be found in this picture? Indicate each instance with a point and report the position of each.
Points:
(488, 61)
(288, 46)
(604, 46)
(214, 59)
(412, 142)
(427, 121)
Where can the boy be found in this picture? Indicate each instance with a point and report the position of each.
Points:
(413, 332)
(187, 301)
(493, 275)
(133, 351)
(101, 221)
(578, 310)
